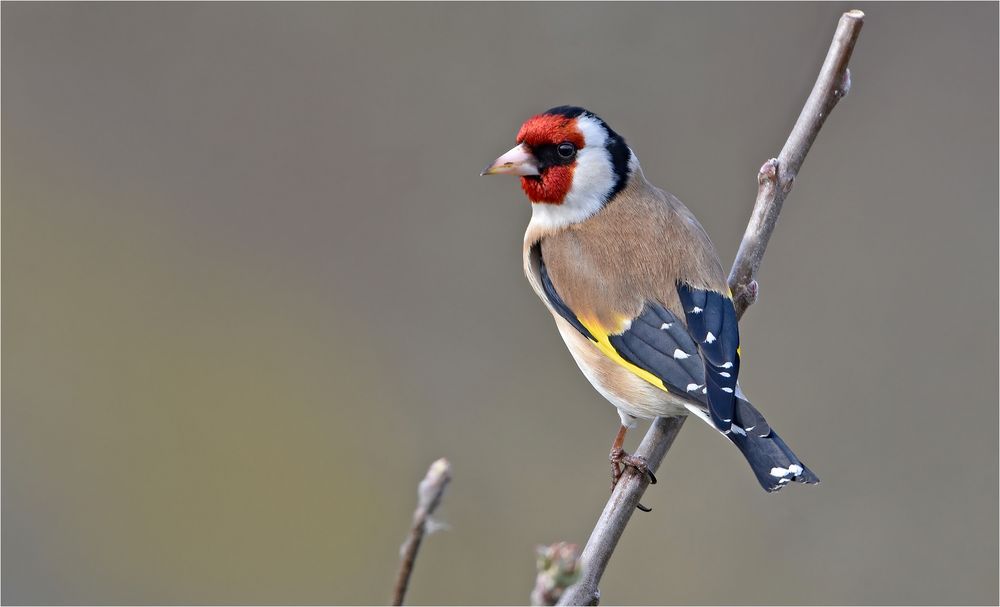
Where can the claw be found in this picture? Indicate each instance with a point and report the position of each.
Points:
(639, 463)
(619, 457)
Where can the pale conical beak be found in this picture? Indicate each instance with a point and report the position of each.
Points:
(518, 161)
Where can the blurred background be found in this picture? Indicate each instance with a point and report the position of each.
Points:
(255, 285)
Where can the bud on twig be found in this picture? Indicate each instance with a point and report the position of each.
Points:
(558, 569)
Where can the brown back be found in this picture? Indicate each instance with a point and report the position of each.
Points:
(632, 251)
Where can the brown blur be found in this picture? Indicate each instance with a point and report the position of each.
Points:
(254, 285)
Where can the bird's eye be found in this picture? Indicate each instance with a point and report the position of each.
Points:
(566, 150)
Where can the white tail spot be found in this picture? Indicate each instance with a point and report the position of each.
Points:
(709, 338)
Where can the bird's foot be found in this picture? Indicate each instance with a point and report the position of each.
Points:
(618, 459)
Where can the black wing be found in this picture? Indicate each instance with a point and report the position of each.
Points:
(698, 358)
(659, 343)
(558, 303)
(711, 321)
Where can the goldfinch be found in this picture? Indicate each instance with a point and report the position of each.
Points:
(636, 289)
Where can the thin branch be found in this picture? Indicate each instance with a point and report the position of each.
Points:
(611, 524)
(429, 494)
(776, 177)
(774, 182)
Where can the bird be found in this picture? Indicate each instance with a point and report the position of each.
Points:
(636, 290)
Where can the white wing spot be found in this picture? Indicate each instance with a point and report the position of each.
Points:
(693, 387)
(704, 390)
(709, 338)
(666, 325)
(724, 374)
(738, 430)
(726, 365)
(696, 310)
(795, 469)
(779, 471)
(681, 354)
(730, 390)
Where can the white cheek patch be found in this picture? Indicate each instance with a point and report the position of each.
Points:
(594, 174)
(593, 179)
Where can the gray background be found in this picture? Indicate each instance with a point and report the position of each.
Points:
(254, 285)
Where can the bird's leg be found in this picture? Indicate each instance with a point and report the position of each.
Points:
(615, 456)
(618, 458)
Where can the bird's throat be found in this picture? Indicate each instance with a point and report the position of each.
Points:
(550, 187)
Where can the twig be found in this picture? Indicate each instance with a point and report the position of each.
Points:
(611, 524)
(776, 177)
(429, 494)
(775, 180)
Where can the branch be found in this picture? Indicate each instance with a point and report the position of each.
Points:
(429, 494)
(774, 182)
(618, 511)
(776, 177)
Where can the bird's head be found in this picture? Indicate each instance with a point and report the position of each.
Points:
(567, 157)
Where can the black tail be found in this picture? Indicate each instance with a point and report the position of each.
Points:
(772, 461)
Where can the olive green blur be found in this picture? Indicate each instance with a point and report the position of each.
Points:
(254, 285)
